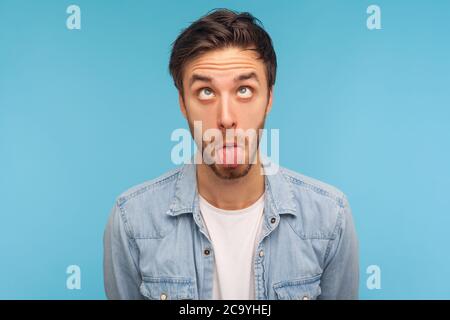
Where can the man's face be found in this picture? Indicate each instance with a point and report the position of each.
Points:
(226, 89)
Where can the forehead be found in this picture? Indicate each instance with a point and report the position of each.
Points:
(225, 62)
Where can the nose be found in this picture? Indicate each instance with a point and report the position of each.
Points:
(226, 118)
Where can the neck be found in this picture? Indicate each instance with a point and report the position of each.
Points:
(230, 194)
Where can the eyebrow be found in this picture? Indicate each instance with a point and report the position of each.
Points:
(242, 77)
(247, 76)
(198, 77)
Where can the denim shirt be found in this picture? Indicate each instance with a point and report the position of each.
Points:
(156, 245)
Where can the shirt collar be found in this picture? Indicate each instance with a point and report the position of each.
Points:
(278, 190)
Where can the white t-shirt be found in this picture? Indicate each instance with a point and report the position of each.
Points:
(234, 235)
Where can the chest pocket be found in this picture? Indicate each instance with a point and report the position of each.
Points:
(298, 289)
(167, 288)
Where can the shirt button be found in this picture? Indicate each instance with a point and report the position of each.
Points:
(273, 220)
(206, 252)
(261, 253)
(163, 296)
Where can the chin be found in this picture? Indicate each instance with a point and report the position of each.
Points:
(230, 172)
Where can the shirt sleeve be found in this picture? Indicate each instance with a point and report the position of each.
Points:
(121, 276)
(340, 278)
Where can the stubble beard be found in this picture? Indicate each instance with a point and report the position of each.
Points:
(242, 169)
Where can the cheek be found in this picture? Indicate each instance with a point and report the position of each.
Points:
(207, 117)
(195, 109)
(254, 111)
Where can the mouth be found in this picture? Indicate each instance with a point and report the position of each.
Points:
(228, 155)
(227, 145)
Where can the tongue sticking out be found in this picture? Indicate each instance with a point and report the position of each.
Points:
(229, 157)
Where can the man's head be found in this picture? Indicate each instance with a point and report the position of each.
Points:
(224, 67)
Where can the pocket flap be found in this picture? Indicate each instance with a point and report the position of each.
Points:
(298, 289)
(167, 288)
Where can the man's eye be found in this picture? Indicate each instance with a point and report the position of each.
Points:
(205, 94)
(244, 92)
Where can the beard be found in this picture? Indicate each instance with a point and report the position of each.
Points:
(228, 172)
(239, 170)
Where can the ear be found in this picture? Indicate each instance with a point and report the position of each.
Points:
(182, 105)
(269, 103)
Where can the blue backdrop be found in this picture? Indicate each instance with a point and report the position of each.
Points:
(86, 114)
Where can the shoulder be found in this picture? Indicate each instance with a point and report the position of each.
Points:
(141, 207)
(149, 187)
(321, 207)
(314, 187)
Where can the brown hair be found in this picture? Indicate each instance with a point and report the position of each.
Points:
(218, 29)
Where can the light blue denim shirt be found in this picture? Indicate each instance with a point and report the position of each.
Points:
(156, 245)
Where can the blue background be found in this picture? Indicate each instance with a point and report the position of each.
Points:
(86, 114)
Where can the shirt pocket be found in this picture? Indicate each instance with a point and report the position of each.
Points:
(298, 289)
(167, 288)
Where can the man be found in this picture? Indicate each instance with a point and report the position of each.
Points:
(223, 228)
